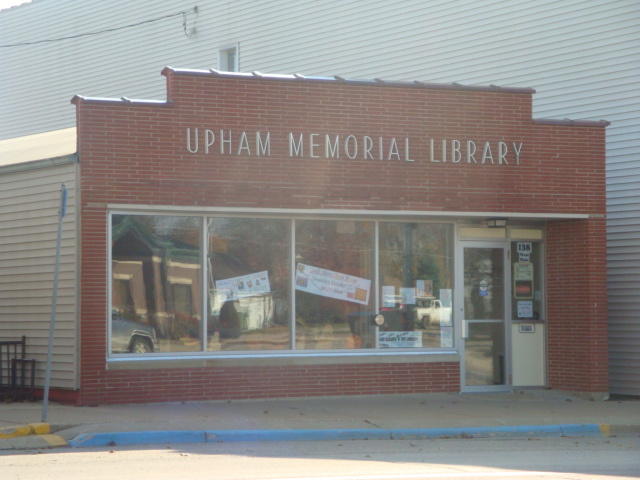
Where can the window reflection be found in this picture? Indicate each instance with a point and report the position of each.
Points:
(334, 269)
(156, 287)
(416, 277)
(483, 283)
(157, 291)
(248, 299)
(484, 354)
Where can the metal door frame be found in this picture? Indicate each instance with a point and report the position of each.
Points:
(459, 320)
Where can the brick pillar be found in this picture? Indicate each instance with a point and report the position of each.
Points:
(577, 306)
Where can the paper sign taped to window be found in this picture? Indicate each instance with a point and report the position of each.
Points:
(332, 284)
(400, 339)
(244, 286)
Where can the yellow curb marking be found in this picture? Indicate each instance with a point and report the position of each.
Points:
(605, 429)
(13, 432)
(24, 430)
(40, 428)
(54, 440)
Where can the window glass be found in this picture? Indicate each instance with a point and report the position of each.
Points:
(249, 270)
(416, 282)
(157, 291)
(526, 271)
(156, 284)
(333, 284)
(228, 59)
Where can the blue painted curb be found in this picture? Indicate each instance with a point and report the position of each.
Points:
(521, 431)
(295, 435)
(224, 436)
(137, 438)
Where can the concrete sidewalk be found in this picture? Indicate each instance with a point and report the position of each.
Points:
(526, 413)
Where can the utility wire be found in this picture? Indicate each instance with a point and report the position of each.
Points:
(115, 29)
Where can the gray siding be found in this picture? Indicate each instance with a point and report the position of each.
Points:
(29, 205)
(582, 57)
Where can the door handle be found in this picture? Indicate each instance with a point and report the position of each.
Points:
(465, 329)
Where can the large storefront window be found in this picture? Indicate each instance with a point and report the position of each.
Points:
(203, 284)
(156, 293)
(334, 270)
(416, 285)
(248, 271)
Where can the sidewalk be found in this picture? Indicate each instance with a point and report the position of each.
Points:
(526, 413)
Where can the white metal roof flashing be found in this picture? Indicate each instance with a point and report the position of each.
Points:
(572, 123)
(121, 101)
(339, 79)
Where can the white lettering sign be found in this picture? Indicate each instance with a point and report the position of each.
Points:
(352, 147)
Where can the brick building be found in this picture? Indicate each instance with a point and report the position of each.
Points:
(276, 236)
(241, 239)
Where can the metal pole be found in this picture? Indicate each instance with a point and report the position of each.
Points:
(63, 209)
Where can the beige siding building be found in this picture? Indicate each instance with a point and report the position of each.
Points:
(30, 186)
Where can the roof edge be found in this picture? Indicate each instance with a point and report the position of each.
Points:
(77, 99)
(571, 123)
(377, 82)
(38, 164)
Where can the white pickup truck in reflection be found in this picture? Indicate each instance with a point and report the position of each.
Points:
(429, 311)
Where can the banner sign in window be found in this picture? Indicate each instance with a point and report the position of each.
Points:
(244, 286)
(400, 339)
(523, 280)
(332, 284)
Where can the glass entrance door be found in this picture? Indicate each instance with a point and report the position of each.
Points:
(484, 318)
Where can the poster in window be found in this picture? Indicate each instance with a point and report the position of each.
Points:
(388, 296)
(446, 337)
(424, 288)
(523, 280)
(408, 296)
(525, 309)
(243, 286)
(446, 296)
(327, 283)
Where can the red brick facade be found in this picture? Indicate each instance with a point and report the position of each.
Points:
(135, 153)
(577, 305)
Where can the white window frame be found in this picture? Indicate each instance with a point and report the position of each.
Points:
(223, 58)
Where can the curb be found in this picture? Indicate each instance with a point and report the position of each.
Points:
(31, 436)
(24, 430)
(222, 436)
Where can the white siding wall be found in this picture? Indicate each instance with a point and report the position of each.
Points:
(582, 56)
(29, 205)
